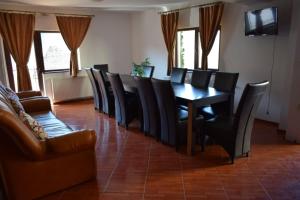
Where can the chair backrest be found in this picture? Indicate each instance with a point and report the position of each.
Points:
(166, 101)
(102, 67)
(225, 82)
(201, 78)
(119, 94)
(95, 87)
(104, 90)
(178, 75)
(149, 106)
(244, 117)
(148, 71)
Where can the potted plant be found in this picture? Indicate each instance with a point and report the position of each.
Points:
(138, 70)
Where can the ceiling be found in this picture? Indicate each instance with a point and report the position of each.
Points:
(126, 5)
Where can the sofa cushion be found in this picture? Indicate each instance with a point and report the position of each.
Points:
(32, 124)
(14, 100)
(53, 126)
(5, 103)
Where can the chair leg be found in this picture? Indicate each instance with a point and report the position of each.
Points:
(202, 142)
(232, 159)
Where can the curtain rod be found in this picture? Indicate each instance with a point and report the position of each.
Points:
(189, 7)
(45, 13)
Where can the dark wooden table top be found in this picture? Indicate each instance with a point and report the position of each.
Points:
(184, 92)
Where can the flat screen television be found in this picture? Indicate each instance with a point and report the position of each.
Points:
(261, 22)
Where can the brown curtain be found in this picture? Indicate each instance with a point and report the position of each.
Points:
(73, 30)
(169, 24)
(209, 23)
(17, 32)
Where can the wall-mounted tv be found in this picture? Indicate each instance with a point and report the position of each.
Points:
(261, 22)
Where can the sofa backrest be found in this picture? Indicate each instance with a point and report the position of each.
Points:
(13, 131)
(5, 102)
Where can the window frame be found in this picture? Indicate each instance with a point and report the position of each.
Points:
(9, 68)
(39, 54)
(196, 54)
(197, 46)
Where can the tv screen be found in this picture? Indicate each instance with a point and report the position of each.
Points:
(261, 22)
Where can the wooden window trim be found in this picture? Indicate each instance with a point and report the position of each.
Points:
(196, 60)
(197, 46)
(40, 54)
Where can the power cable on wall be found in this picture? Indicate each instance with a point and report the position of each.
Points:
(271, 76)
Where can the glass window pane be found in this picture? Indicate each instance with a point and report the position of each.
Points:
(186, 49)
(55, 52)
(32, 70)
(213, 57)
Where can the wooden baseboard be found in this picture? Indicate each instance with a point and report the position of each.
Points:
(74, 100)
(279, 131)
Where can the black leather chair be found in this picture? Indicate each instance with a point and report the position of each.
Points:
(126, 104)
(106, 92)
(96, 89)
(173, 120)
(178, 75)
(233, 133)
(148, 71)
(201, 78)
(102, 67)
(225, 82)
(151, 123)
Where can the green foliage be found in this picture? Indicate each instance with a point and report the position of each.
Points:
(138, 70)
(181, 50)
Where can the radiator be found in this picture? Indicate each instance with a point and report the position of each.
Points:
(60, 89)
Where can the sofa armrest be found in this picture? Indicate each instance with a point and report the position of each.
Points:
(36, 104)
(75, 141)
(27, 94)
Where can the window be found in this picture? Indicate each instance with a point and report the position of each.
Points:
(213, 56)
(32, 68)
(187, 53)
(48, 53)
(55, 53)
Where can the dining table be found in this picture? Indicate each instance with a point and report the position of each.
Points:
(189, 95)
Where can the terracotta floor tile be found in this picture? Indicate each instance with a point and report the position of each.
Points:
(164, 196)
(164, 183)
(121, 196)
(127, 183)
(217, 196)
(133, 166)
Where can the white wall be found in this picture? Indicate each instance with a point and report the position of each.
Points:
(252, 57)
(147, 41)
(292, 81)
(108, 41)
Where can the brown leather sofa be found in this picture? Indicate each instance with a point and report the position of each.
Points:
(31, 168)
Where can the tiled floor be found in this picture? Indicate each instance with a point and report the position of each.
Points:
(133, 166)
